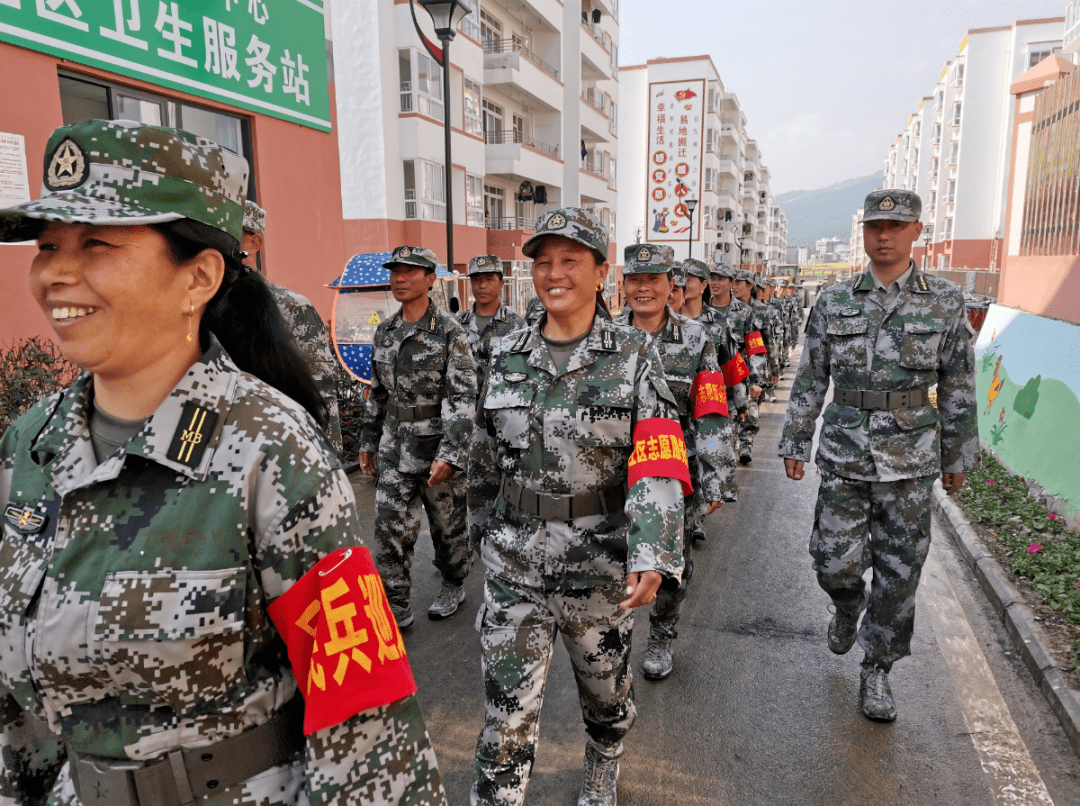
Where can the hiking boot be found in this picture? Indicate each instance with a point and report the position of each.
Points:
(601, 775)
(745, 458)
(845, 626)
(402, 614)
(446, 603)
(875, 695)
(659, 662)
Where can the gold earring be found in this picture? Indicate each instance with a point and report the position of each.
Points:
(191, 311)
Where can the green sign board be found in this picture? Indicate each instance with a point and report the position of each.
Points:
(268, 56)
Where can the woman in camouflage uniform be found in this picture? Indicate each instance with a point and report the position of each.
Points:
(158, 510)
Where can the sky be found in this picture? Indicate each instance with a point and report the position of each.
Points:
(825, 86)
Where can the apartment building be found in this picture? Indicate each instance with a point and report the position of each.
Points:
(533, 106)
(1071, 41)
(856, 248)
(956, 149)
(684, 136)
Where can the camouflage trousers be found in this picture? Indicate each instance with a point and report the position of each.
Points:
(517, 637)
(747, 429)
(664, 616)
(398, 498)
(884, 525)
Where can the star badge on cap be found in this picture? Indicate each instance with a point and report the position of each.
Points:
(68, 166)
(644, 255)
(404, 252)
(557, 221)
(887, 204)
(481, 261)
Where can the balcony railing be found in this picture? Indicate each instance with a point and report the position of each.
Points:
(593, 168)
(498, 138)
(597, 34)
(516, 44)
(406, 96)
(511, 222)
(596, 103)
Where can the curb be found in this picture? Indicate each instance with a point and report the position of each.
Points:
(1027, 634)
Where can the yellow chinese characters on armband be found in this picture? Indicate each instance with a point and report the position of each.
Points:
(735, 370)
(709, 394)
(755, 344)
(344, 645)
(659, 451)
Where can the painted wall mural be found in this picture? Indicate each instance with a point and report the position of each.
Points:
(1028, 386)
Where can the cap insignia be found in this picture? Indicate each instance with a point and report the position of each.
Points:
(516, 377)
(644, 255)
(68, 167)
(557, 221)
(887, 204)
(404, 252)
(481, 261)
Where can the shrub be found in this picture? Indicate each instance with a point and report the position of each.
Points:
(29, 370)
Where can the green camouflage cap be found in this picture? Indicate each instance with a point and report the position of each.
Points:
(412, 256)
(892, 205)
(647, 258)
(254, 218)
(577, 224)
(124, 172)
(758, 280)
(696, 268)
(678, 275)
(485, 264)
(722, 269)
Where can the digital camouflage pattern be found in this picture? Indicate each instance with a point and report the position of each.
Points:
(577, 224)
(133, 613)
(563, 433)
(505, 320)
(647, 258)
(254, 218)
(892, 205)
(123, 172)
(412, 256)
(858, 342)
(485, 264)
(686, 348)
(731, 342)
(313, 340)
(894, 519)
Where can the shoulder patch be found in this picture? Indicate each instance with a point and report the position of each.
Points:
(676, 334)
(25, 519)
(192, 434)
(523, 339)
(607, 341)
(920, 281)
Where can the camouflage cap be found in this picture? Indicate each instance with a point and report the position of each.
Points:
(758, 280)
(696, 268)
(892, 205)
(124, 172)
(485, 264)
(723, 270)
(647, 258)
(678, 275)
(574, 223)
(254, 218)
(412, 256)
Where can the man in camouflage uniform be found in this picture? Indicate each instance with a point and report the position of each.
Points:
(678, 288)
(488, 318)
(419, 419)
(304, 322)
(758, 344)
(576, 485)
(884, 338)
(778, 332)
(693, 375)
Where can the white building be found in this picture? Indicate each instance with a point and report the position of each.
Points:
(684, 137)
(1071, 41)
(956, 149)
(533, 103)
(857, 249)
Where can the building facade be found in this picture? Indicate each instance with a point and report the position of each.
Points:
(956, 149)
(683, 137)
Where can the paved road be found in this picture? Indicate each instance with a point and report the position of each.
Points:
(758, 711)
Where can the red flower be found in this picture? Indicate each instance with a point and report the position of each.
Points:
(1034, 548)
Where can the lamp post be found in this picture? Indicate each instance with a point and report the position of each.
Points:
(926, 251)
(445, 16)
(691, 205)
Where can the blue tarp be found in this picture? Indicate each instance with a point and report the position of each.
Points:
(367, 271)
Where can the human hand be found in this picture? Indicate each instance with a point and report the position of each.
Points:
(952, 482)
(755, 392)
(440, 472)
(367, 463)
(641, 588)
(715, 505)
(794, 469)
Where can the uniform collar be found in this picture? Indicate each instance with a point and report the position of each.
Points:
(602, 338)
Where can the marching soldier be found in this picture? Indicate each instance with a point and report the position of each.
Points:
(419, 420)
(883, 338)
(757, 344)
(688, 355)
(488, 318)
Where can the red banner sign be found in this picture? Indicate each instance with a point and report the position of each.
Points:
(659, 451)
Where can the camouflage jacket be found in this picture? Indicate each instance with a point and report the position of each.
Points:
(780, 321)
(134, 593)
(570, 433)
(424, 363)
(504, 320)
(764, 321)
(740, 321)
(686, 348)
(857, 342)
(314, 342)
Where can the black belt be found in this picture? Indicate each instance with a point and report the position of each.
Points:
(881, 401)
(410, 414)
(184, 776)
(562, 507)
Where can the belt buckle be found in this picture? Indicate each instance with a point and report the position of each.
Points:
(557, 508)
(106, 784)
(874, 400)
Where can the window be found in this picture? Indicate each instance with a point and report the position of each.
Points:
(405, 80)
(950, 191)
(954, 153)
(519, 128)
(428, 87)
(474, 121)
(474, 200)
(1040, 52)
(494, 206)
(956, 114)
(709, 140)
(490, 32)
(425, 190)
(470, 25)
(493, 121)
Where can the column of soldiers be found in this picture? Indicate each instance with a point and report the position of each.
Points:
(598, 447)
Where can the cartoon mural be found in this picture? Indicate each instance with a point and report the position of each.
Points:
(1029, 386)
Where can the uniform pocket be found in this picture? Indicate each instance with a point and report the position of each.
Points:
(920, 344)
(914, 418)
(844, 416)
(509, 407)
(847, 341)
(22, 568)
(173, 636)
(604, 417)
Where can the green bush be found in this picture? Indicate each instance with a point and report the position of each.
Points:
(29, 370)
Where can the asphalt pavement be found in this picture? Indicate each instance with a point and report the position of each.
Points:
(758, 711)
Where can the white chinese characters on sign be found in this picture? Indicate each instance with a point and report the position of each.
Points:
(220, 42)
(169, 18)
(675, 154)
(260, 65)
(50, 10)
(292, 78)
(133, 23)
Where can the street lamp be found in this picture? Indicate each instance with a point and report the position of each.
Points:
(691, 205)
(445, 16)
(926, 250)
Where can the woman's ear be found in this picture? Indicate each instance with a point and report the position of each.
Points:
(207, 270)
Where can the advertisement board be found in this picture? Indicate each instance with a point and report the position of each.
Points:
(675, 154)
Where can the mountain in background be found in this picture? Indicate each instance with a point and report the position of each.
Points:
(813, 214)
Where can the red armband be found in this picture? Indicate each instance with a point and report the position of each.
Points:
(755, 345)
(660, 451)
(709, 394)
(736, 371)
(344, 645)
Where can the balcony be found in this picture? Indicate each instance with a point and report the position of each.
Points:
(506, 223)
(513, 153)
(728, 166)
(595, 53)
(508, 61)
(595, 118)
(594, 183)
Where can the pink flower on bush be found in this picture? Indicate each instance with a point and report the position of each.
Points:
(991, 481)
(1051, 516)
(1034, 548)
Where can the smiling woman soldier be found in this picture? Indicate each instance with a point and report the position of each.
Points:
(173, 514)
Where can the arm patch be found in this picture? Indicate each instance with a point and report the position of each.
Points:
(660, 451)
